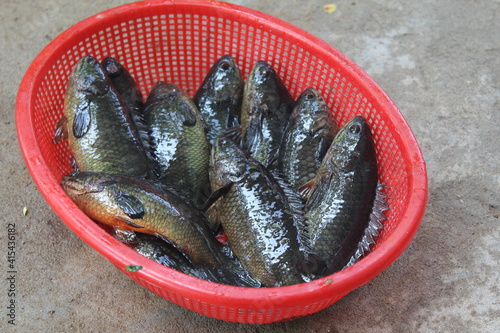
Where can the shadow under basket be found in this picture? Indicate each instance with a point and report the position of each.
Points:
(177, 42)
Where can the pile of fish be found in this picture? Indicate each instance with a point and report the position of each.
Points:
(239, 185)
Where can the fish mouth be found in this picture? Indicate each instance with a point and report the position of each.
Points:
(75, 188)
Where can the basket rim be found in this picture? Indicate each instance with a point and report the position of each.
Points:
(163, 277)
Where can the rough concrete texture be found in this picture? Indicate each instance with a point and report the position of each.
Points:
(438, 60)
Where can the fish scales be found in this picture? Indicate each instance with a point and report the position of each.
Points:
(266, 108)
(178, 139)
(341, 197)
(138, 205)
(99, 126)
(219, 97)
(261, 226)
(133, 204)
(306, 139)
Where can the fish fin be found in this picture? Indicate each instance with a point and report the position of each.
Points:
(295, 202)
(61, 131)
(188, 114)
(215, 195)
(232, 119)
(321, 186)
(81, 122)
(130, 205)
(292, 196)
(305, 190)
(375, 224)
(167, 240)
(211, 212)
(74, 165)
(253, 135)
(233, 133)
(129, 221)
(272, 162)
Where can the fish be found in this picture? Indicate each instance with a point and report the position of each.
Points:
(307, 137)
(340, 198)
(142, 206)
(178, 141)
(219, 96)
(124, 83)
(163, 253)
(261, 220)
(127, 88)
(266, 107)
(98, 125)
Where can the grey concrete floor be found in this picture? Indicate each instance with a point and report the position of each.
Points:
(440, 63)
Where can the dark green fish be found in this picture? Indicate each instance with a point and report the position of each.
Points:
(219, 96)
(259, 217)
(178, 140)
(133, 204)
(164, 253)
(98, 124)
(124, 83)
(341, 196)
(128, 89)
(307, 137)
(265, 110)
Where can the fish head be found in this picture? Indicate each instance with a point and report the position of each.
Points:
(112, 66)
(78, 184)
(227, 161)
(98, 196)
(352, 144)
(260, 83)
(265, 99)
(89, 77)
(262, 76)
(225, 79)
(310, 109)
(309, 98)
(161, 91)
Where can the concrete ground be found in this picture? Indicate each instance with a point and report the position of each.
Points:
(440, 63)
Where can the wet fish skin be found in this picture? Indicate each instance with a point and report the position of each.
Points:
(266, 108)
(98, 124)
(258, 219)
(139, 205)
(124, 83)
(163, 253)
(178, 140)
(134, 204)
(219, 96)
(307, 137)
(340, 198)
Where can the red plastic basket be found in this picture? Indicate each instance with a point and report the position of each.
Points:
(178, 41)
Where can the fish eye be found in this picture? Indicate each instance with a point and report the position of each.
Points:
(264, 72)
(355, 129)
(310, 96)
(224, 65)
(223, 141)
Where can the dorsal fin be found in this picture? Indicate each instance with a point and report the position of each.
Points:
(375, 224)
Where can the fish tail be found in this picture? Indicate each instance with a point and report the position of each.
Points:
(375, 224)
